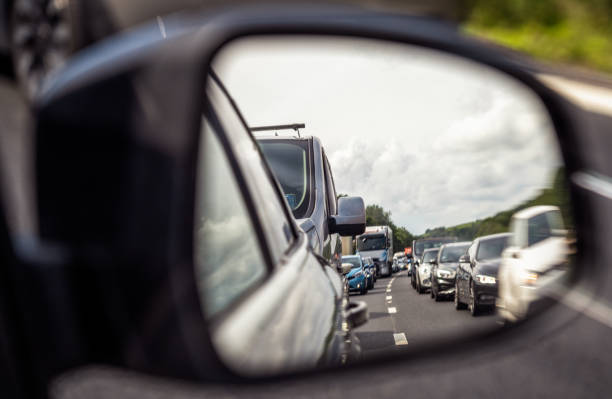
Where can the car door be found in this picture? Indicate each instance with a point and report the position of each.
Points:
(333, 245)
(254, 269)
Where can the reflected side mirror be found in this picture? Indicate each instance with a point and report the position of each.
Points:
(350, 220)
(346, 267)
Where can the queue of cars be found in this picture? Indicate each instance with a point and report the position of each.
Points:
(510, 272)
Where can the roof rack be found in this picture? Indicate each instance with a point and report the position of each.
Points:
(293, 126)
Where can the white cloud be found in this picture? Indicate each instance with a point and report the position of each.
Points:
(433, 138)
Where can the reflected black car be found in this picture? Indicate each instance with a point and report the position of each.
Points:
(444, 269)
(476, 282)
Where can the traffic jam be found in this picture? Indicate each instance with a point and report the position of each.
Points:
(502, 275)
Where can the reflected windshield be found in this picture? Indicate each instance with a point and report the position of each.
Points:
(356, 262)
(492, 248)
(289, 162)
(371, 242)
(429, 256)
(422, 245)
(452, 254)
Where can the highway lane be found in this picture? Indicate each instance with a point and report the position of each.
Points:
(400, 316)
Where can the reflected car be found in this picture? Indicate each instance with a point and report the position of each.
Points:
(358, 276)
(535, 260)
(420, 245)
(305, 176)
(423, 270)
(476, 281)
(371, 267)
(444, 269)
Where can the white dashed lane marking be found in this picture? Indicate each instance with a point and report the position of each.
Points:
(400, 339)
(388, 298)
(392, 310)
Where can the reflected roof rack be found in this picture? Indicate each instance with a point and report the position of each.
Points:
(293, 126)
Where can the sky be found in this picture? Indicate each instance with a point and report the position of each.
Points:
(436, 139)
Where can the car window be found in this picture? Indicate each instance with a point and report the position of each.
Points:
(268, 199)
(356, 262)
(429, 256)
(228, 256)
(491, 248)
(538, 229)
(472, 250)
(290, 162)
(330, 188)
(452, 254)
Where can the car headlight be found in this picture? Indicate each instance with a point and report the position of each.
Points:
(482, 279)
(445, 273)
(529, 278)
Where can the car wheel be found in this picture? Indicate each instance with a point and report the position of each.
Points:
(431, 292)
(473, 306)
(419, 287)
(413, 280)
(364, 289)
(458, 304)
(42, 39)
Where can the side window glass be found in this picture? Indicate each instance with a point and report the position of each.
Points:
(538, 229)
(472, 250)
(331, 190)
(269, 200)
(228, 256)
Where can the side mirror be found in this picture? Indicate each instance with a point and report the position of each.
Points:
(346, 267)
(357, 314)
(350, 220)
(434, 262)
(464, 258)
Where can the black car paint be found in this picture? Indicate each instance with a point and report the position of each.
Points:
(35, 374)
(484, 294)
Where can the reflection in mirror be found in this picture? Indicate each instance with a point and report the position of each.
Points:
(464, 186)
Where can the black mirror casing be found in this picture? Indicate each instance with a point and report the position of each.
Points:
(116, 185)
(351, 218)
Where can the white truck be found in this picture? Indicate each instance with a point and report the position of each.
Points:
(377, 242)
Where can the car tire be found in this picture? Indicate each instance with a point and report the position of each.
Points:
(431, 292)
(419, 286)
(364, 289)
(473, 305)
(458, 304)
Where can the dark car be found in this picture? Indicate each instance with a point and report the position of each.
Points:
(418, 247)
(304, 173)
(476, 282)
(233, 246)
(369, 264)
(444, 269)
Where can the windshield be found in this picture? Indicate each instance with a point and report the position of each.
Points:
(429, 256)
(452, 254)
(289, 162)
(372, 242)
(491, 248)
(422, 245)
(356, 262)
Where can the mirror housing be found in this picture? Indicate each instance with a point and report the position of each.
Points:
(346, 267)
(350, 220)
(357, 314)
(464, 258)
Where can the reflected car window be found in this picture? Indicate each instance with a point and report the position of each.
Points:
(228, 258)
(539, 229)
(429, 256)
(491, 248)
(452, 254)
(289, 162)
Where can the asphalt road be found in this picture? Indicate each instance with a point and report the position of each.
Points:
(399, 316)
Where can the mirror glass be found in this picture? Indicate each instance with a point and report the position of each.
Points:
(453, 159)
